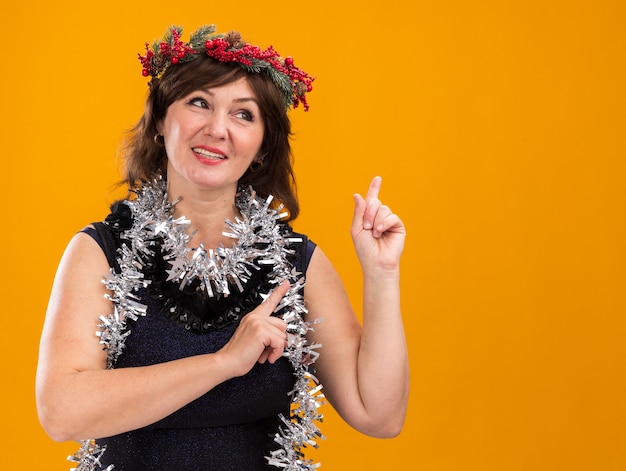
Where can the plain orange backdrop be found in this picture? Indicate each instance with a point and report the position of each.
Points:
(499, 130)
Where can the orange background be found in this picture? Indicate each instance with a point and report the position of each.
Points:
(498, 128)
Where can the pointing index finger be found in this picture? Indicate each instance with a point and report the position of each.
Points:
(374, 188)
(273, 299)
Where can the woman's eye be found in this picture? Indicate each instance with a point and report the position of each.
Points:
(245, 114)
(198, 102)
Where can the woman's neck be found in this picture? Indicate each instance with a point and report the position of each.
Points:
(207, 211)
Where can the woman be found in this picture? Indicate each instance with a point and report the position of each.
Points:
(210, 353)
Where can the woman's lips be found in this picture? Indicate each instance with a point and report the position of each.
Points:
(212, 154)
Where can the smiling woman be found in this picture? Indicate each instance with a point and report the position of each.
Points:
(206, 345)
(194, 84)
(219, 128)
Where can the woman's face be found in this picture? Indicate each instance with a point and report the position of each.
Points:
(212, 136)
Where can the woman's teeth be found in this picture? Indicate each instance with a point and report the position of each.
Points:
(207, 154)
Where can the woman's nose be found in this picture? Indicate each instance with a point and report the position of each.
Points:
(216, 126)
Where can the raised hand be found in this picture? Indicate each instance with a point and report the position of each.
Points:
(378, 233)
(260, 336)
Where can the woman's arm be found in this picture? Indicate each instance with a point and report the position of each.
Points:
(364, 370)
(78, 398)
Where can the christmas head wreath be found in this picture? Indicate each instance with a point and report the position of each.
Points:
(230, 47)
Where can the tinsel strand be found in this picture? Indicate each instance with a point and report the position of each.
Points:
(259, 241)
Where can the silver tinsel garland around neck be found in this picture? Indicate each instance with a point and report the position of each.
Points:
(259, 242)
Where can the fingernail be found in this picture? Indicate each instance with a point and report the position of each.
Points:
(367, 225)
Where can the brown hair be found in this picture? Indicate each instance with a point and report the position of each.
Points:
(144, 159)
